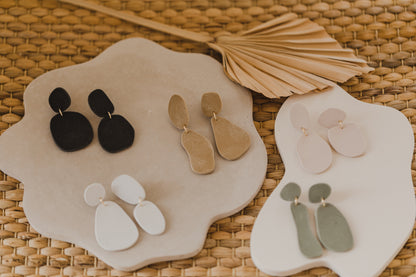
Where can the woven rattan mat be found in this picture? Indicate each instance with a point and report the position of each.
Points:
(41, 35)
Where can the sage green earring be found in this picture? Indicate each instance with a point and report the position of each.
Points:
(332, 227)
(308, 243)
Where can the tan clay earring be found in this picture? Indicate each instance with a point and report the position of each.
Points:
(198, 148)
(232, 141)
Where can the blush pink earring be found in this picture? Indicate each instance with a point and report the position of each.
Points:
(346, 138)
(314, 153)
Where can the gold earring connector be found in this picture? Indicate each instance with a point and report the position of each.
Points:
(214, 115)
(102, 201)
(296, 201)
(140, 202)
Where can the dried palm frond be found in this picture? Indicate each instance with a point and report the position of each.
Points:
(280, 57)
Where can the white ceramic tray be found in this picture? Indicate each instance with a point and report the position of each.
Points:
(374, 192)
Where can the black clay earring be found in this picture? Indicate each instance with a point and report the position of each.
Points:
(71, 131)
(114, 132)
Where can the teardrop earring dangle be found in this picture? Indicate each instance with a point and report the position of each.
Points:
(232, 141)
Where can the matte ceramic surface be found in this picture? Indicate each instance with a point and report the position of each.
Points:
(71, 131)
(319, 192)
(178, 112)
(59, 100)
(140, 76)
(314, 153)
(114, 229)
(332, 117)
(299, 117)
(333, 229)
(150, 218)
(200, 152)
(232, 141)
(94, 194)
(211, 103)
(307, 240)
(290, 192)
(348, 140)
(128, 189)
(370, 191)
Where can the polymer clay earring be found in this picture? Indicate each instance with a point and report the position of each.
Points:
(332, 227)
(198, 148)
(146, 213)
(114, 230)
(71, 131)
(346, 138)
(308, 244)
(314, 153)
(114, 132)
(232, 141)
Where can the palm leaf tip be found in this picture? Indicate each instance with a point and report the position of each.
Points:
(287, 56)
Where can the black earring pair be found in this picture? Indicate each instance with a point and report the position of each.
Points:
(72, 131)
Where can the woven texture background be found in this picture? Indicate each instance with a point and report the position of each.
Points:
(41, 35)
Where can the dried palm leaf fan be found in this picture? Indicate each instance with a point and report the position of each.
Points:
(280, 57)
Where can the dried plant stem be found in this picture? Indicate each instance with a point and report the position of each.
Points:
(142, 21)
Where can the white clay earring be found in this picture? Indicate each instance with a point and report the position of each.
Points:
(146, 213)
(314, 153)
(114, 229)
(346, 138)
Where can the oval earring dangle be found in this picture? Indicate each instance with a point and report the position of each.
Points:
(332, 227)
(232, 141)
(71, 131)
(346, 138)
(146, 213)
(314, 153)
(115, 133)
